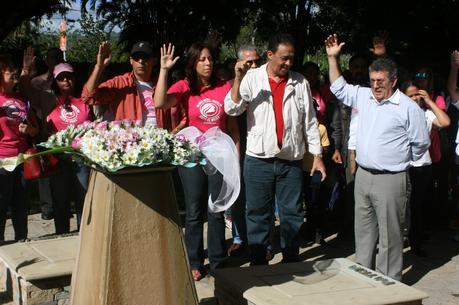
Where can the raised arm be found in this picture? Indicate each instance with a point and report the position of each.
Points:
(333, 49)
(240, 69)
(379, 44)
(28, 64)
(104, 56)
(442, 119)
(452, 79)
(167, 61)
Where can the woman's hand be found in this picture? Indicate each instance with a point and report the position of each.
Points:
(28, 129)
(167, 59)
(28, 61)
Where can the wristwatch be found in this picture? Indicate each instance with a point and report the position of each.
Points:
(317, 155)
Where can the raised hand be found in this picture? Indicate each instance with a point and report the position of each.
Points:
(455, 59)
(167, 59)
(425, 96)
(379, 43)
(104, 55)
(332, 46)
(240, 68)
(28, 61)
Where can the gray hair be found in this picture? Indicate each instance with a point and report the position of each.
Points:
(384, 64)
(245, 48)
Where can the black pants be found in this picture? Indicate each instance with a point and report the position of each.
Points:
(13, 194)
(419, 179)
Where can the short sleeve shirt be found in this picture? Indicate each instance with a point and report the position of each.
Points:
(13, 111)
(205, 109)
(60, 118)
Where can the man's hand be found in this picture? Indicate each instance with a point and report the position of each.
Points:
(167, 60)
(455, 59)
(337, 157)
(104, 56)
(28, 61)
(332, 46)
(241, 68)
(379, 44)
(318, 165)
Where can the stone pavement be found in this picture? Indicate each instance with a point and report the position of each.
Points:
(437, 274)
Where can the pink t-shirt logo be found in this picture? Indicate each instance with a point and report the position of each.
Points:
(210, 110)
(14, 110)
(69, 117)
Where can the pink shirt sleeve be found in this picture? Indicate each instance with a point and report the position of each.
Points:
(440, 102)
(180, 89)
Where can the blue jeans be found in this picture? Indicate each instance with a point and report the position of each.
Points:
(13, 194)
(267, 180)
(70, 183)
(197, 188)
(239, 227)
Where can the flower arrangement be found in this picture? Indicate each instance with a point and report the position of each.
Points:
(116, 145)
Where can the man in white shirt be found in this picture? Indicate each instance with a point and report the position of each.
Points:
(280, 122)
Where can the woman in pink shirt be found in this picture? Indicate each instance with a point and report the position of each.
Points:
(73, 176)
(202, 95)
(16, 130)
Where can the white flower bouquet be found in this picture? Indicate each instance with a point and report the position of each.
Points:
(112, 146)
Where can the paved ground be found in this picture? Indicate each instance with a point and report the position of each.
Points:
(437, 274)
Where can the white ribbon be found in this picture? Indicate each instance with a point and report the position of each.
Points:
(222, 156)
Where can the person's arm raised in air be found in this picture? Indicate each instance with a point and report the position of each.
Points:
(442, 119)
(104, 56)
(452, 79)
(333, 49)
(167, 61)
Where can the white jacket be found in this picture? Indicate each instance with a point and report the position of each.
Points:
(300, 121)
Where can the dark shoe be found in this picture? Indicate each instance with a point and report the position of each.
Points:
(47, 216)
(236, 249)
(419, 251)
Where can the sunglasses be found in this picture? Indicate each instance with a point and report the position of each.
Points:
(422, 75)
(139, 56)
(257, 62)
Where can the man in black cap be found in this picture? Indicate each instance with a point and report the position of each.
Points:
(128, 96)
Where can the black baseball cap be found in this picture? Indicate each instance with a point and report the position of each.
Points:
(143, 47)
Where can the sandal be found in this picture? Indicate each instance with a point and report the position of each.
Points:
(196, 274)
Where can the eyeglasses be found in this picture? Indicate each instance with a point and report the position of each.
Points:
(424, 75)
(257, 62)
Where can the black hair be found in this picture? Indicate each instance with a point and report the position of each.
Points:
(191, 58)
(406, 84)
(278, 39)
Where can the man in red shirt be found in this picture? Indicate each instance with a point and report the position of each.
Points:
(128, 96)
(280, 122)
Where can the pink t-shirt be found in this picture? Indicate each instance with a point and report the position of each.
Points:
(206, 109)
(13, 111)
(435, 145)
(59, 118)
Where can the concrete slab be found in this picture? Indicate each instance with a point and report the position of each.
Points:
(35, 260)
(335, 281)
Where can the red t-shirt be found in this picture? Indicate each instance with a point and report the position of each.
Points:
(13, 111)
(59, 118)
(435, 145)
(277, 90)
(206, 109)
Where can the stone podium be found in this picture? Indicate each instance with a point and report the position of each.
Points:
(131, 246)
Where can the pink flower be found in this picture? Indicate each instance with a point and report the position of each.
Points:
(76, 143)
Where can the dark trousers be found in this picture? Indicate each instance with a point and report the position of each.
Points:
(13, 195)
(267, 180)
(197, 187)
(419, 180)
(70, 183)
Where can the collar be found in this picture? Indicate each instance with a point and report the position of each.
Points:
(394, 99)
